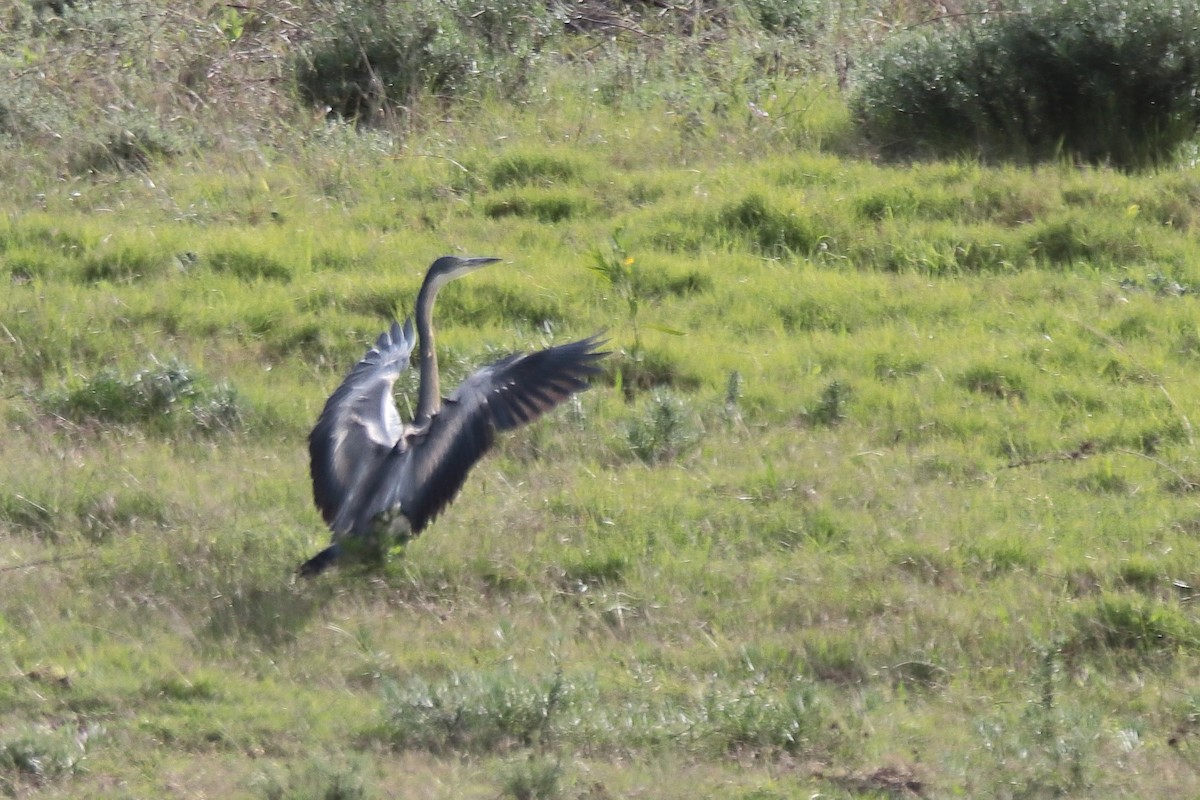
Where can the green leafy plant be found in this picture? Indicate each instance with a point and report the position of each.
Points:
(620, 271)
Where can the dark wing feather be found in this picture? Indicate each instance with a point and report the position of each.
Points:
(358, 429)
(511, 392)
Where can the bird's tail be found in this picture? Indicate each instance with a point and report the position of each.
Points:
(320, 562)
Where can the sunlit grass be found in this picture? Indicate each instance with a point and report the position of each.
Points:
(889, 482)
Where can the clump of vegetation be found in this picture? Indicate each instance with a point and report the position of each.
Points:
(38, 754)
(533, 778)
(249, 266)
(123, 264)
(994, 382)
(771, 230)
(475, 712)
(787, 722)
(666, 429)
(532, 169)
(830, 408)
(101, 515)
(165, 397)
(318, 781)
(372, 61)
(539, 204)
(1140, 628)
(122, 150)
(26, 513)
(1104, 81)
(792, 17)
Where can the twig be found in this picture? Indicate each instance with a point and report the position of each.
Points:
(1084, 450)
(1188, 483)
(44, 562)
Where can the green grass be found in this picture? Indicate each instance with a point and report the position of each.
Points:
(889, 486)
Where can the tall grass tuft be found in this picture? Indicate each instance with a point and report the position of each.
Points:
(480, 712)
(769, 229)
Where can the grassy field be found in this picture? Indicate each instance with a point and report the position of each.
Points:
(889, 488)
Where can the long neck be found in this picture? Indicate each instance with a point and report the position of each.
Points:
(429, 398)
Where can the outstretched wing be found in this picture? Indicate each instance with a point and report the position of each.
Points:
(358, 429)
(424, 477)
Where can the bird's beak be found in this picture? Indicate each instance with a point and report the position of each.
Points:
(461, 266)
(476, 263)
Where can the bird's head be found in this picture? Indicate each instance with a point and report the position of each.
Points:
(448, 268)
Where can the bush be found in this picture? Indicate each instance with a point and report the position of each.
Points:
(794, 17)
(1101, 80)
(376, 57)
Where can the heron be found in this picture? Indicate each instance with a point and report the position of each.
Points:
(378, 482)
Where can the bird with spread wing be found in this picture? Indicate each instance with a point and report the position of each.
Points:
(378, 482)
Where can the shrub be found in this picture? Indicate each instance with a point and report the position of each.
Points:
(532, 779)
(104, 514)
(377, 56)
(1102, 80)
(756, 721)
(994, 382)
